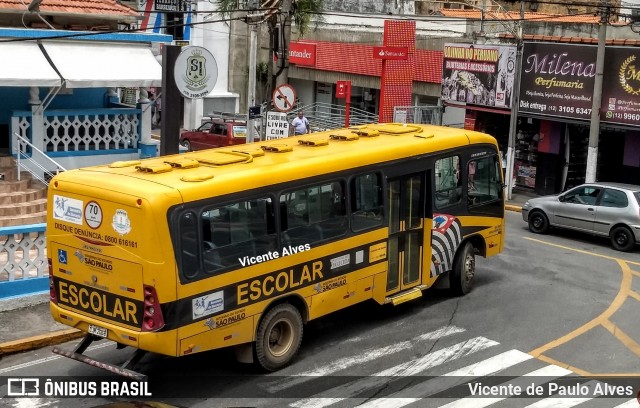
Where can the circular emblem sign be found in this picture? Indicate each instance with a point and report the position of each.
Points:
(93, 214)
(195, 72)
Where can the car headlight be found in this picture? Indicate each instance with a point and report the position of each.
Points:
(526, 205)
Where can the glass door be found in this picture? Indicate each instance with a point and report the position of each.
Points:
(406, 231)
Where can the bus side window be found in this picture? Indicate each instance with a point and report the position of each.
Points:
(190, 249)
(366, 201)
(448, 183)
(239, 230)
(484, 180)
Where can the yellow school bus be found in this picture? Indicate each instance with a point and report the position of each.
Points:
(241, 246)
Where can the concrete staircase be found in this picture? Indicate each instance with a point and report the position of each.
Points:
(21, 202)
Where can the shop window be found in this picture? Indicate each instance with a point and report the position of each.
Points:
(526, 157)
(448, 183)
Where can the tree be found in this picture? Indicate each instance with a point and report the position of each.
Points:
(278, 15)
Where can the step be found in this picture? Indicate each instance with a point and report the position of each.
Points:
(7, 161)
(12, 186)
(8, 173)
(24, 196)
(404, 296)
(24, 208)
(11, 221)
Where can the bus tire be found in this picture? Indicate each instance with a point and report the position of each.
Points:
(464, 270)
(279, 337)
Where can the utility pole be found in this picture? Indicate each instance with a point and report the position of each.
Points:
(283, 72)
(594, 131)
(515, 104)
(251, 92)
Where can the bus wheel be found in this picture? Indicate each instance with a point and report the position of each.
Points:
(464, 270)
(279, 337)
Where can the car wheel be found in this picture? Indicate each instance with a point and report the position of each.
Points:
(538, 222)
(464, 270)
(187, 144)
(622, 239)
(279, 336)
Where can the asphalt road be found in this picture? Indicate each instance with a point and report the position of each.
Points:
(552, 310)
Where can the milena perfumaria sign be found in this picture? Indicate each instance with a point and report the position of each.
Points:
(558, 80)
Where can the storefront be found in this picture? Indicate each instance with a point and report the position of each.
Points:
(552, 136)
(317, 65)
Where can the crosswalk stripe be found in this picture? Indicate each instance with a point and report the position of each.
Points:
(491, 364)
(408, 368)
(488, 366)
(549, 372)
(629, 404)
(558, 402)
(563, 402)
(361, 358)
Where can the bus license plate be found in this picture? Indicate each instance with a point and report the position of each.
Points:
(98, 331)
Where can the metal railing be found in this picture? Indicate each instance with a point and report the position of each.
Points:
(427, 115)
(324, 116)
(25, 151)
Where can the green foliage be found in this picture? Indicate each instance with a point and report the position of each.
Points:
(225, 7)
(262, 71)
(307, 11)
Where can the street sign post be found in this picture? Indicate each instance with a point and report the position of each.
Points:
(277, 125)
(284, 97)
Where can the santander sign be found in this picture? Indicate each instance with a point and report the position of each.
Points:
(391, 53)
(302, 53)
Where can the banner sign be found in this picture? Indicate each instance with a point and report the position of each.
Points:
(621, 86)
(479, 74)
(302, 53)
(167, 5)
(557, 79)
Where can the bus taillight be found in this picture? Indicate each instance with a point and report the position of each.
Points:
(53, 296)
(152, 319)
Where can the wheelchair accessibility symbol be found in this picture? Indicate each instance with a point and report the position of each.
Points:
(62, 256)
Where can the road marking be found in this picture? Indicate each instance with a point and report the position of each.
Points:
(623, 337)
(549, 372)
(629, 404)
(409, 368)
(47, 359)
(366, 356)
(581, 251)
(564, 402)
(625, 287)
(624, 292)
(451, 379)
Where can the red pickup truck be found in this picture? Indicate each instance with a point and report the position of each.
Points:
(215, 133)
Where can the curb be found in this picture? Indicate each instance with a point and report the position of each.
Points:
(515, 208)
(42, 340)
